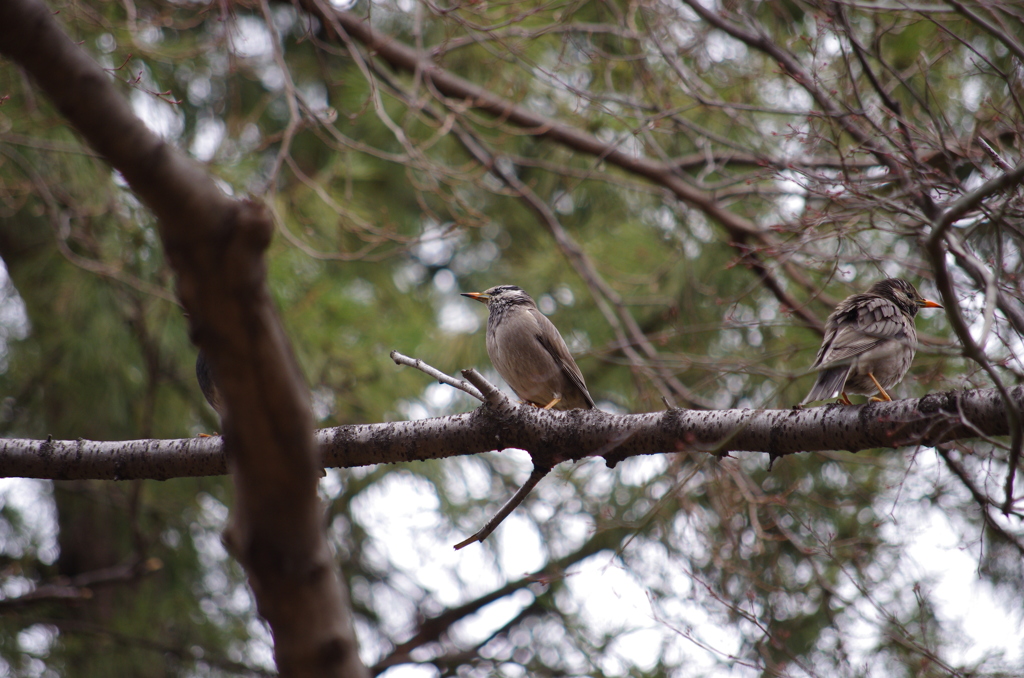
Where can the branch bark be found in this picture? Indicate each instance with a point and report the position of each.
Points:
(81, 586)
(215, 246)
(551, 437)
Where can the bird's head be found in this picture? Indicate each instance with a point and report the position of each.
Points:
(903, 294)
(501, 296)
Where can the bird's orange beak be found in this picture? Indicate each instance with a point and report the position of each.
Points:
(928, 303)
(479, 296)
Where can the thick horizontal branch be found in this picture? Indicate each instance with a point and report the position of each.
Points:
(551, 437)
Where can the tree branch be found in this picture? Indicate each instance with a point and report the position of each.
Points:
(411, 60)
(81, 586)
(972, 200)
(560, 436)
(515, 500)
(432, 628)
(936, 248)
(441, 377)
(980, 498)
(215, 245)
(1011, 44)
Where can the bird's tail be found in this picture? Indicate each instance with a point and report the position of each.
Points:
(830, 382)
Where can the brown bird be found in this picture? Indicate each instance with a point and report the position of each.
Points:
(529, 353)
(870, 341)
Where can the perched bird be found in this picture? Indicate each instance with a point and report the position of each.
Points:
(869, 342)
(204, 375)
(529, 353)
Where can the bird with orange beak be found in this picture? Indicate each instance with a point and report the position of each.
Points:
(870, 342)
(529, 353)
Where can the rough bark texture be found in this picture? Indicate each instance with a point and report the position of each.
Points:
(215, 246)
(551, 437)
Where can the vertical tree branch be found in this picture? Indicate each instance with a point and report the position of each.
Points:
(215, 246)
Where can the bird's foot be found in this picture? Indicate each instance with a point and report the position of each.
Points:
(552, 403)
(882, 396)
(844, 399)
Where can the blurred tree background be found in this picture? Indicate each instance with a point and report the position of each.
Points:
(748, 166)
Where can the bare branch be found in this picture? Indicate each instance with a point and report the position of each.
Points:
(973, 351)
(608, 301)
(983, 502)
(1011, 44)
(436, 374)
(558, 436)
(434, 627)
(216, 245)
(936, 249)
(80, 587)
(515, 500)
(792, 66)
(492, 396)
(971, 200)
(404, 57)
(1011, 307)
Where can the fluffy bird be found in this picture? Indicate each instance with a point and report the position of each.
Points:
(870, 341)
(529, 353)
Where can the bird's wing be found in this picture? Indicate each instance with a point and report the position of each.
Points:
(560, 353)
(859, 324)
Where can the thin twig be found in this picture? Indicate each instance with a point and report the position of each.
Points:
(81, 587)
(452, 87)
(290, 95)
(982, 500)
(510, 505)
(491, 394)
(436, 374)
(971, 200)
(943, 283)
(936, 247)
(990, 28)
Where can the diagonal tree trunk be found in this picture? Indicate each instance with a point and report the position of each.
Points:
(215, 246)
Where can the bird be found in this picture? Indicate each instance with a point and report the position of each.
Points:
(204, 375)
(529, 353)
(869, 343)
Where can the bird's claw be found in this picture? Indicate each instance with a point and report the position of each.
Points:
(882, 396)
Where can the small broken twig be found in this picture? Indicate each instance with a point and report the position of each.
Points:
(483, 390)
(491, 395)
(436, 374)
(510, 505)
